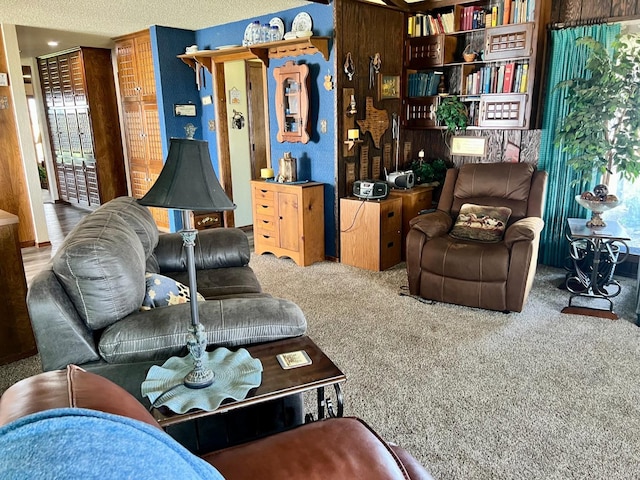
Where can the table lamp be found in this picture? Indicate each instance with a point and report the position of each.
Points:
(187, 182)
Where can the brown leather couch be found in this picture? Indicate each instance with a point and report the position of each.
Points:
(495, 276)
(335, 448)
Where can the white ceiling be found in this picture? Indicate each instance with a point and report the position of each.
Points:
(93, 23)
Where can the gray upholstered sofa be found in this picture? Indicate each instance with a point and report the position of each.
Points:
(85, 306)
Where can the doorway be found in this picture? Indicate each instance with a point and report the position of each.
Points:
(244, 147)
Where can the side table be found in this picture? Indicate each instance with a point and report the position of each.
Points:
(277, 382)
(370, 232)
(594, 253)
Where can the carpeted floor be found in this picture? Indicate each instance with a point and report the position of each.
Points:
(472, 394)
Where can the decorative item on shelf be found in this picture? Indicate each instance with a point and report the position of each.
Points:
(597, 203)
(452, 113)
(191, 49)
(266, 173)
(353, 138)
(287, 169)
(349, 66)
(442, 86)
(468, 54)
(187, 182)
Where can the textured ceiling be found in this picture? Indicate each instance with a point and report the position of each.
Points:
(94, 22)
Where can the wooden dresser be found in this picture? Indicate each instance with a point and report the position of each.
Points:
(288, 220)
(16, 336)
(370, 232)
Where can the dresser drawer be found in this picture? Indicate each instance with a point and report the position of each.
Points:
(265, 210)
(266, 239)
(266, 225)
(263, 195)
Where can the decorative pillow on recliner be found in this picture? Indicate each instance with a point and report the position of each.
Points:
(163, 291)
(481, 223)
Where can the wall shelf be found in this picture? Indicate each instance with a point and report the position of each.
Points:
(262, 51)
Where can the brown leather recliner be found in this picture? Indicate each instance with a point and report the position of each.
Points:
(495, 276)
(334, 448)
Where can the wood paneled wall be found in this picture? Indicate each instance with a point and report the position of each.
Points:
(578, 10)
(365, 30)
(14, 197)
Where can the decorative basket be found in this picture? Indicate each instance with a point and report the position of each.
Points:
(468, 54)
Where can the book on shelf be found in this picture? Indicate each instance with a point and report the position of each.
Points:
(524, 80)
(507, 86)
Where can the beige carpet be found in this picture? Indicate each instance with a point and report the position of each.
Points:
(476, 394)
(472, 394)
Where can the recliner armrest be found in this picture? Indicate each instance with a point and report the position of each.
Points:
(332, 448)
(434, 224)
(526, 229)
(215, 248)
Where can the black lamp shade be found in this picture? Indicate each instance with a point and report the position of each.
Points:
(187, 180)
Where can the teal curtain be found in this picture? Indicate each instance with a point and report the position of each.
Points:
(566, 61)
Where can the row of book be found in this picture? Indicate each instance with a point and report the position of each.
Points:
(495, 14)
(423, 84)
(508, 78)
(423, 25)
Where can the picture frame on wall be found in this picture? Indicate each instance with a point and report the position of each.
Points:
(388, 86)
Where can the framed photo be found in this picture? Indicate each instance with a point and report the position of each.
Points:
(388, 86)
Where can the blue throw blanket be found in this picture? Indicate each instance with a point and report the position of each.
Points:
(76, 443)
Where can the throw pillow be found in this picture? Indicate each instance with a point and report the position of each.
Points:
(481, 223)
(163, 291)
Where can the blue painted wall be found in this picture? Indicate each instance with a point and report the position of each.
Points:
(316, 159)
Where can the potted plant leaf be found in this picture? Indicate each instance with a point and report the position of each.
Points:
(601, 132)
(452, 113)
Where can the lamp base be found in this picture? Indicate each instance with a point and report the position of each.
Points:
(199, 378)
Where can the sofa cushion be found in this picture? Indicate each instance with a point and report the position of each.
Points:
(160, 333)
(481, 223)
(163, 291)
(138, 217)
(101, 266)
(220, 282)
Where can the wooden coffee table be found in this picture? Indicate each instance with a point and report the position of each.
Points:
(278, 382)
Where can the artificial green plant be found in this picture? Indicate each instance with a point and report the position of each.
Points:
(601, 132)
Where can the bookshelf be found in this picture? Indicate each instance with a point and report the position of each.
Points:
(497, 85)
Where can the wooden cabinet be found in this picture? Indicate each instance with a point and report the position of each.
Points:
(292, 102)
(497, 86)
(288, 220)
(82, 116)
(413, 200)
(16, 336)
(370, 233)
(141, 124)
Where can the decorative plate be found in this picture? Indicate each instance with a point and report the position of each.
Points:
(247, 33)
(225, 47)
(302, 23)
(278, 23)
(235, 374)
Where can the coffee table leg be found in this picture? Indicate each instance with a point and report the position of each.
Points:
(322, 402)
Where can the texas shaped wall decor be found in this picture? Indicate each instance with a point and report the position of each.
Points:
(376, 122)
